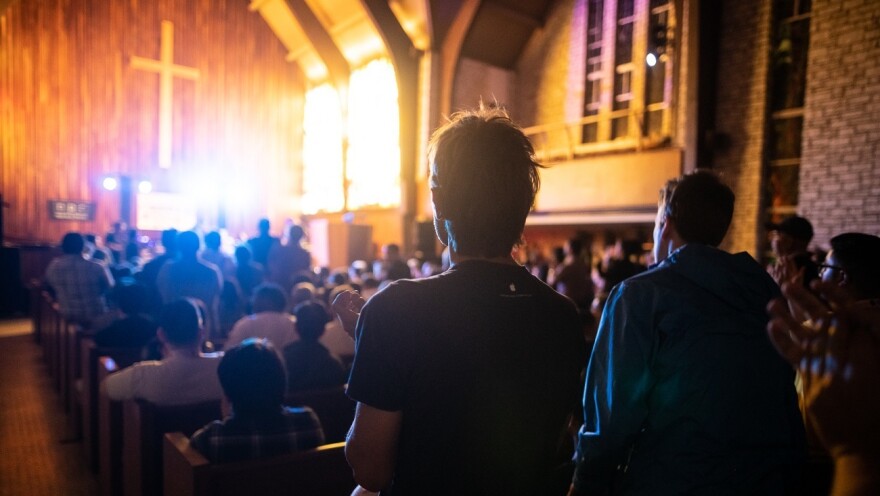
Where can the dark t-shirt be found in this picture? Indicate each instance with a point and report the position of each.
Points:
(310, 365)
(484, 362)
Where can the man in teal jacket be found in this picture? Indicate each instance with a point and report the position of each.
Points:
(684, 391)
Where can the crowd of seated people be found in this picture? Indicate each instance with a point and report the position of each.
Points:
(682, 392)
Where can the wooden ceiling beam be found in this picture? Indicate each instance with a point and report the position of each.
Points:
(337, 65)
(514, 15)
(450, 51)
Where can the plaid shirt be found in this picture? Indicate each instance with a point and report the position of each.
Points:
(79, 286)
(237, 438)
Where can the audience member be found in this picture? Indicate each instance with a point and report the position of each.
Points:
(684, 393)
(572, 277)
(253, 381)
(837, 355)
(270, 319)
(621, 269)
(465, 380)
(213, 254)
(391, 266)
(189, 277)
(133, 327)
(335, 337)
(286, 260)
(310, 365)
(184, 375)
(262, 243)
(248, 273)
(853, 263)
(79, 285)
(301, 293)
(789, 240)
(150, 271)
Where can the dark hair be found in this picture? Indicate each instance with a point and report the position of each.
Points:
(269, 297)
(131, 297)
(295, 233)
(169, 240)
(181, 322)
(188, 243)
(576, 246)
(859, 255)
(311, 318)
(484, 179)
(212, 240)
(242, 253)
(253, 377)
(700, 205)
(72, 243)
(132, 250)
(263, 226)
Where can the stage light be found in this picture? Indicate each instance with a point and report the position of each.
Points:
(144, 187)
(110, 183)
(651, 59)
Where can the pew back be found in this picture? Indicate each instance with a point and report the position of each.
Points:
(109, 434)
(144, 424)
(319, 472)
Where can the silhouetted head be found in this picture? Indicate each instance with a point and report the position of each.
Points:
(253, 377)
(72, 244)
(854, 263)
(311, 319)
(169, 241)
(131, 297)
(243, 254)
(212, 240)
(188, 244)
(263, 227)
(181, 323)
(295, 233)
(700, 205)
(269, 297)
(483, 179)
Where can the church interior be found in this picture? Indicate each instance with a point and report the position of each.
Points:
(209, 116)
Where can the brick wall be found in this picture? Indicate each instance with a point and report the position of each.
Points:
(840, 170)
(741, 103)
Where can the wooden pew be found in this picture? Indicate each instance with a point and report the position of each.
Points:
(109, 434)
(144, 425)
(333, 407)
(319, 472)
(88, 393)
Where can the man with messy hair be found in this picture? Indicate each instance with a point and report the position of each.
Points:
(465, 380)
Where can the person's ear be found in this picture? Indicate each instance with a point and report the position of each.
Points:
(438, 198)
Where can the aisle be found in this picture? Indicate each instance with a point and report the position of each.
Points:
(35, 459)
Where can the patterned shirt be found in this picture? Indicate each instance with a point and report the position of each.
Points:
(245, 438)
(79, 286)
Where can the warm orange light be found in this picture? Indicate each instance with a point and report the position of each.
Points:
(322, 151)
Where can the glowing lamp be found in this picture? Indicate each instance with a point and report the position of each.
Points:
(145, 187)
(110, 183)
(651, 60)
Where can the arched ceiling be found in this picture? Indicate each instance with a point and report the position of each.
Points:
(347, 26)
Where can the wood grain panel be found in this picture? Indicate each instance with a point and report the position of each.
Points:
(72, 109)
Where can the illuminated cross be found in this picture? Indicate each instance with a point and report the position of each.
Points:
(167, 69)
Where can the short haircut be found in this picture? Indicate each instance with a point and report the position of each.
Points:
(212, 240)
(253, 377)
(269, 297)
(242, 253)
(576, 246)
(181, 321)
(169, 239)
(311, 318)
(295, 233)
(263, 226)
(72, 243)
(484, 169)
(131, 297)
(859, 255)
(188, 243)
(700, 205)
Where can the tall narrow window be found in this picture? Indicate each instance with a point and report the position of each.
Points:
(791, 42)
(374, 137)
(593, 89)
(628, 79)
(322, 151)
(372, 158)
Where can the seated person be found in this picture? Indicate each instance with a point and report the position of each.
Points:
(269, 319)
(253, 382)
(132, 328)
(310, 365)
(184, 375)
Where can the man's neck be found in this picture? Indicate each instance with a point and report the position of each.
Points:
(456, 258)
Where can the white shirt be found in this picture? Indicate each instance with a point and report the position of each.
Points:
(337, 340)
(179, 379)
(279, 328)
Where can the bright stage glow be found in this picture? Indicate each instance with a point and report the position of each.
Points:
(144, 187)
(373, 155)
(322, 151)
(374, 137)
(651, 59)
(109, 183)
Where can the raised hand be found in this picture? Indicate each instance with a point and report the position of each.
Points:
(347, 307)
